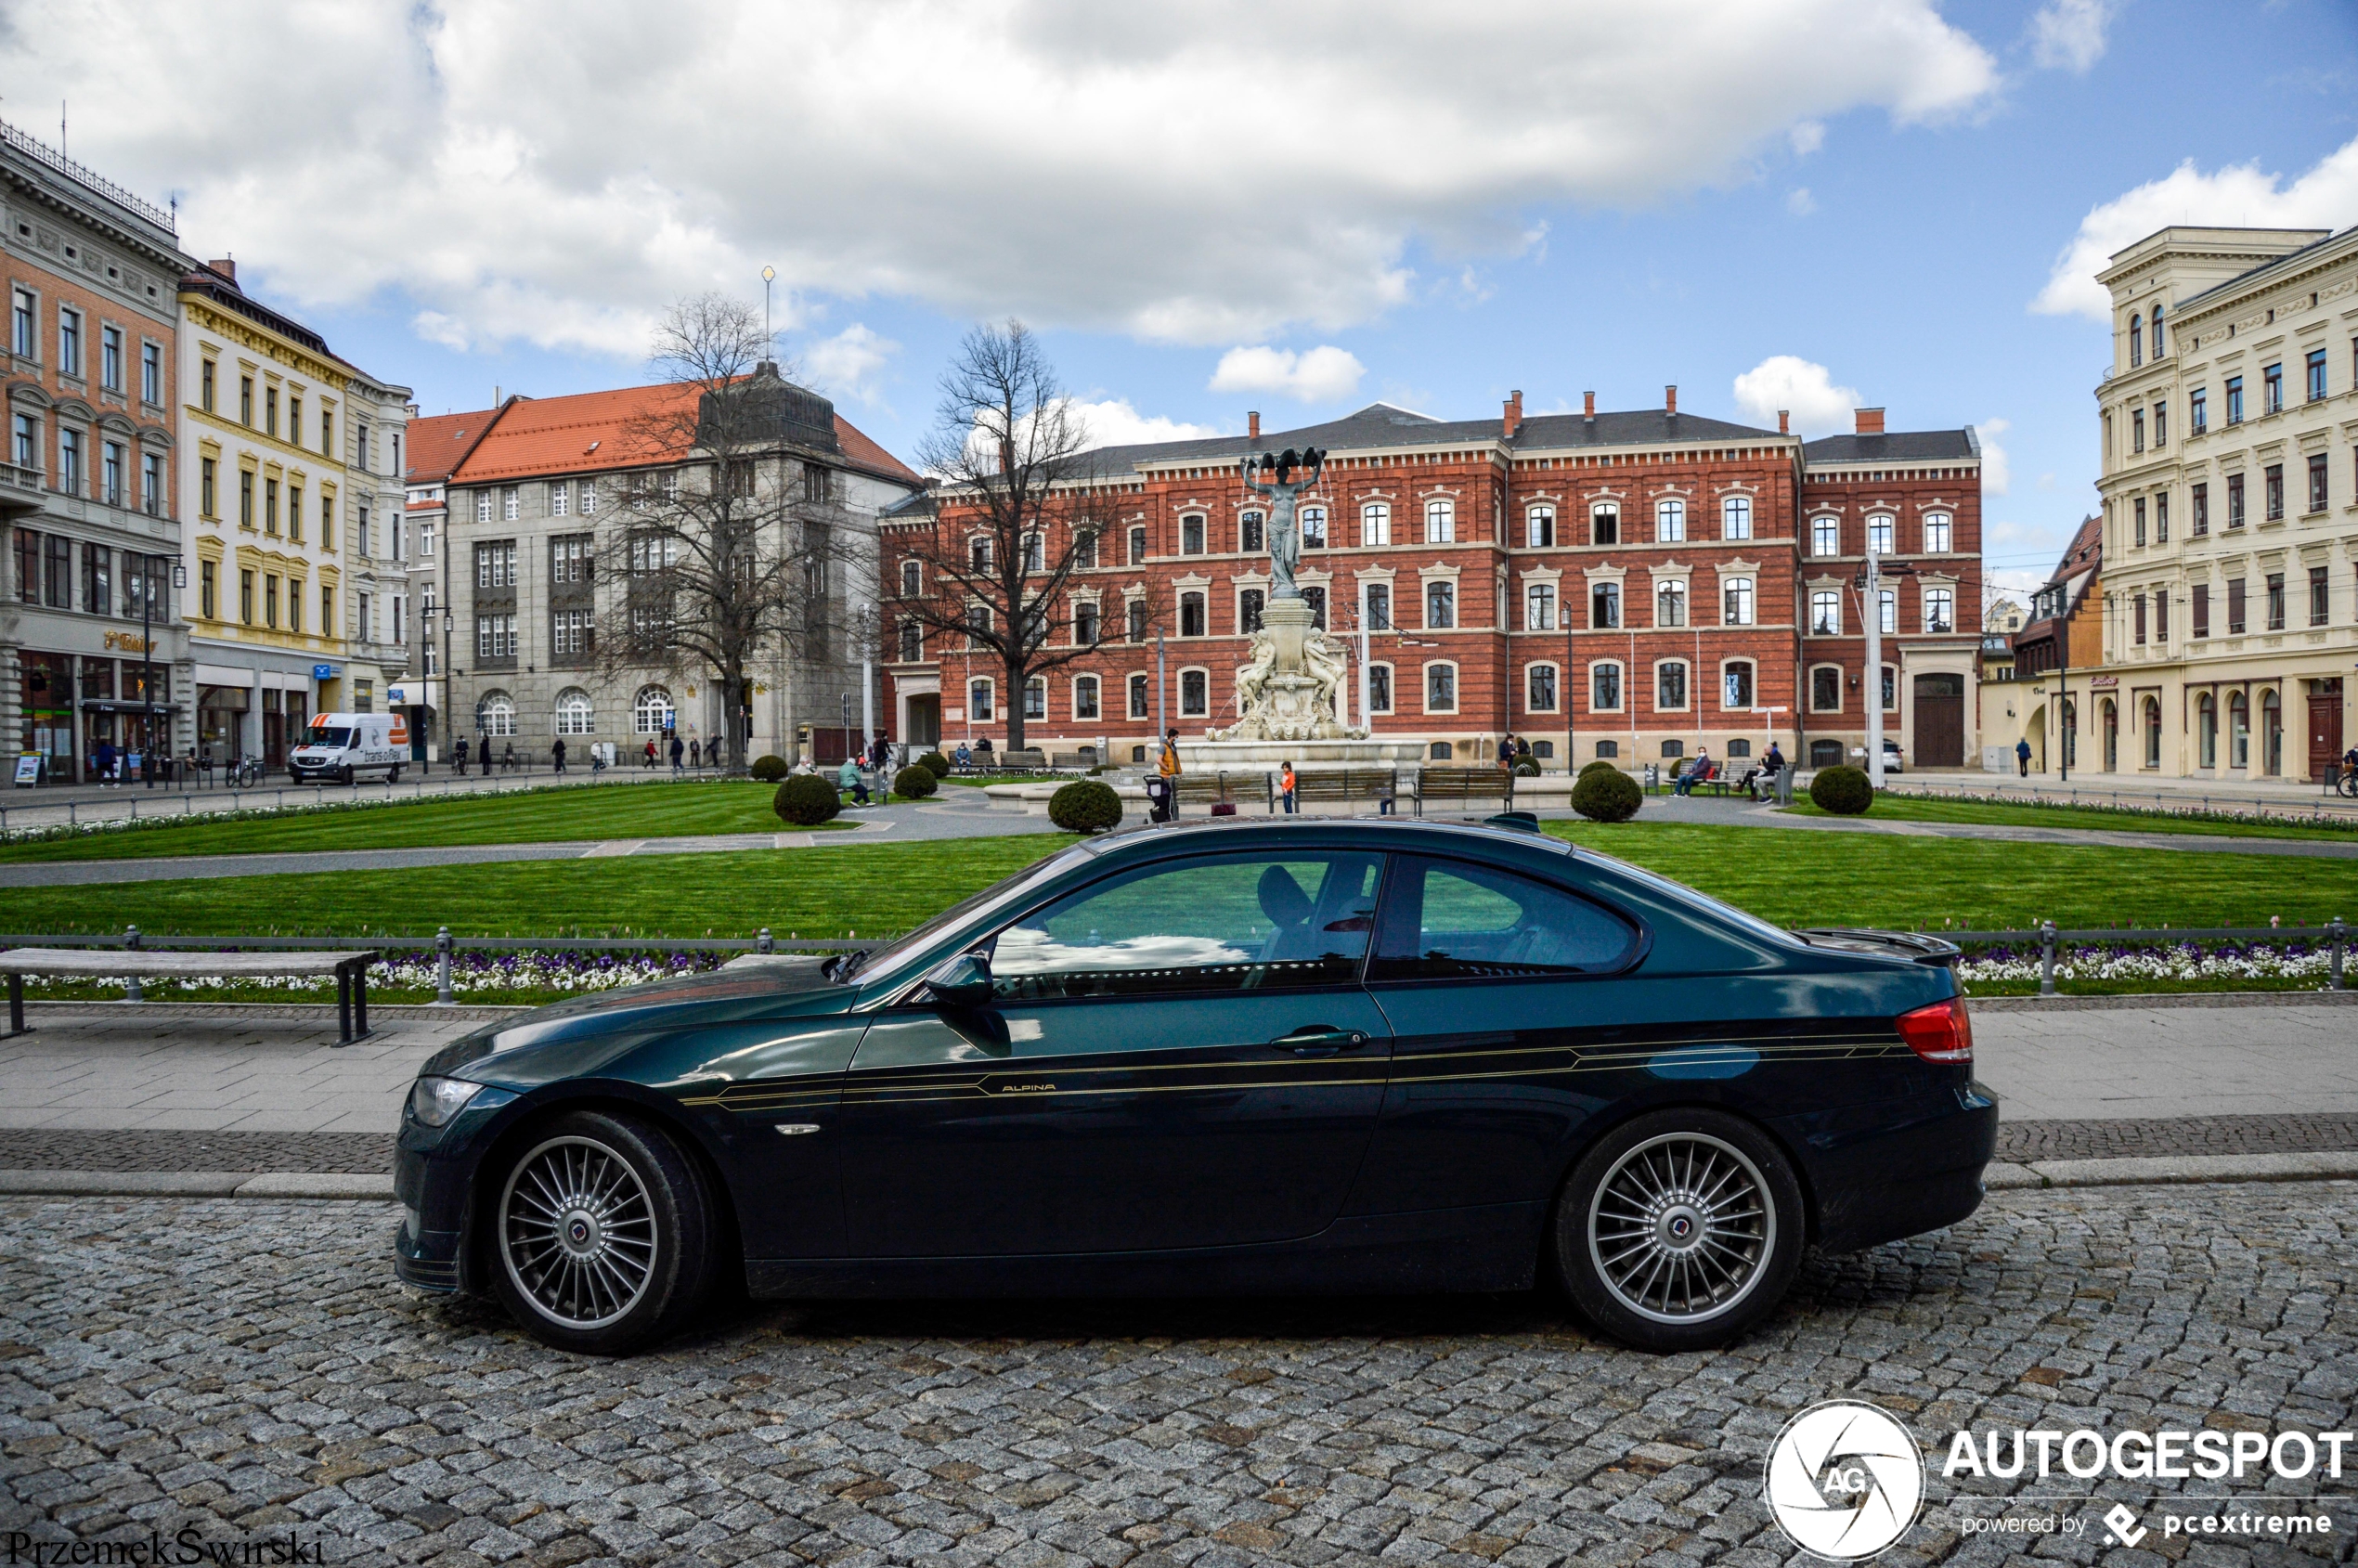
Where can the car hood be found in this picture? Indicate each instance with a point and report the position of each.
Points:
(581, 1035)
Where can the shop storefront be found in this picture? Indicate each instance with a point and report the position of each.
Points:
(45, 712)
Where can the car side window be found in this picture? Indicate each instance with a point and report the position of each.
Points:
(1216, 922)
(1452, 920)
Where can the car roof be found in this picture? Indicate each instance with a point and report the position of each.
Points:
(1399, 832)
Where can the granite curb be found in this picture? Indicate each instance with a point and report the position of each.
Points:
(194, 1183)
(214, 1012)
(2176, 1170)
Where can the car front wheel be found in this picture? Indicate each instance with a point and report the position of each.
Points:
(1680, 1230)
(604, 1234)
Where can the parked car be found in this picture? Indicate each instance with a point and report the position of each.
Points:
(1892, 761)
(1301, 1055)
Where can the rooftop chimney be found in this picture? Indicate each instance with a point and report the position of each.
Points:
(1670, 399)
(1252, 424)
(1784, 421)
(225, 266)
(767, 367)
(1870, 421)
(1514, 413)
(1587, 404)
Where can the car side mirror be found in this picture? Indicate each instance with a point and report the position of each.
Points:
(964, 981)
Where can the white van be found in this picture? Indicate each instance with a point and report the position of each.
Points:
(344, 745)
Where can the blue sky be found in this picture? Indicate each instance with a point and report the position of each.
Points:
(1880, 188)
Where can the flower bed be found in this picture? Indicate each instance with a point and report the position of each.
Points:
(409, 974)
(2122, 966)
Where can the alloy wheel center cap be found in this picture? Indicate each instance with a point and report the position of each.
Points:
(581, 1231)
(1680, 1227)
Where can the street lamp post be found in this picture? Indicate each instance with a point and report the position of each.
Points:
(449, 690)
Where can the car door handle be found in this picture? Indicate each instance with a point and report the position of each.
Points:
(1317, 1041)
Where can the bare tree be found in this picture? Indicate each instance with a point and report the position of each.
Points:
(1020, 510)
(728, 547)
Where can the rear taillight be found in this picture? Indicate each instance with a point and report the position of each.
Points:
(1942, 1032)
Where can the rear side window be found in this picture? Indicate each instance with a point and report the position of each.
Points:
(1452, 920)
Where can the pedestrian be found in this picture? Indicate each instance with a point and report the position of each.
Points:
(695, 754)
(1507, 751)
(483, 753)
(463, 756)
(965, 758)
(1166, 770)
(557, 753)
(2022, 755)
(677, 752)
(1286, 786)
(848, 779)
(507, 757)
(651, 752)
(1695, 774)
(102, 761)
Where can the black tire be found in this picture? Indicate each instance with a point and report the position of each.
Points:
(611, 1245)
(1680, 1230)
(344, 777)
(393, 777)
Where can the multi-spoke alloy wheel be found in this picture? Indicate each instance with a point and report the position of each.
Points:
(1680, 1227)
(1680, 1230)
(577, 1233)
(599, 1233)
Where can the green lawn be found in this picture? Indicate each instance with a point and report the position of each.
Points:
(653, 811)
(1814, 879)
(1934, 808)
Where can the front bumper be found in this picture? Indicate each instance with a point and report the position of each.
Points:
(434, 1172)
(1899, 1168)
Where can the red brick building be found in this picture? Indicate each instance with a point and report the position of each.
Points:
(1631, 586)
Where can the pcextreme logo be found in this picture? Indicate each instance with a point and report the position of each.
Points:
(1845, 1480)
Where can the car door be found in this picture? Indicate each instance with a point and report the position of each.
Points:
(1181, 1055)
(1506, 1035)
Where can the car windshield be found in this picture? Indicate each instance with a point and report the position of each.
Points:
(998, 893)
(1661, 884)
(326, 736)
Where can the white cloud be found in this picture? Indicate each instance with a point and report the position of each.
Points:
(1786, 381)
(1113, 422)
(1318, 375)
(845, 365)
(1997, 477)
(2326, 197)
(2017, 582)
(2069, 34)
(1799, 202)
(2047, 481)
(1807, 137)
(558, 171)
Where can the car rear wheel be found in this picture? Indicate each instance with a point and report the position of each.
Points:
(1680, 1230)
(604, 1234)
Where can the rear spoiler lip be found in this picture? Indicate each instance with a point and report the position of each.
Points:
(1931, 950)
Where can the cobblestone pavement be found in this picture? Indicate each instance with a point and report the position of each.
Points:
(246, 1369)
(371, 1153)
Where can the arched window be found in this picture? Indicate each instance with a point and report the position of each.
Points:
(912, 579)
(2271, 734)
(1825, 691)
(1375, 524)
(1539, 608)
(495, 714)
(1604, 606)
(1735, 602)
(1673, 749)
(1443, 751)
(2112, 737)
(1441, 688)
(1251, 536)
(1670, 522)
(2153, 731)
(1252, 605)
(1609, 750)
(1941, 609)
(1191, 535)
(1314, 528)
(1541, 526)
(1604, 687)
(1141, 698)
(2136, 340)
(1670, 604)
(1670, 685)
(1135, 620)
(1879, 533)
(1539, 688)
(1735, 518)
(1825, 612)
(1825, 535)
(1825, 754)
(1740, 748)
(1441, 605)
(1939, 534)
(2238, 731)
(1379, 687)
(575, 714)
(2207, 730)
(1034, 554)
(912, 643)
(651, 711)
(1035, 697)
(1194, 692)
(2159, 350)
(1084, 697)
(1191, 616)
(1441, 522)
(1604, 525)
(1735, 683)
(981, 701)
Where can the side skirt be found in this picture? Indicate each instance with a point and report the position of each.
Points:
(1495, 1247)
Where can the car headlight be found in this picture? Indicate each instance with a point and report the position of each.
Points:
(434, 1101)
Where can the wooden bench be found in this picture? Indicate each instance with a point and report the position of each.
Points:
(1348, 786)
(1073, 761)
(1223, 788)
(351, 970)
(1466, 786)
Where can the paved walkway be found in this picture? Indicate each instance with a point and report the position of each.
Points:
(160, 1068)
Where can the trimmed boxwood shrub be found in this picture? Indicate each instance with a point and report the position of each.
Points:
(806, 800)
(1600, 766)
(935, 763)
(1526, 770)
(915, 782)
(1085, 805)
(770, 769)
(1610, 796)
(1844, 790)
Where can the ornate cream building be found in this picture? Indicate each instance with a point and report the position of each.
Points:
(2230, 483)
(291, 464)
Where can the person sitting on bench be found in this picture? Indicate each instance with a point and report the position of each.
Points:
(1701, 772)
